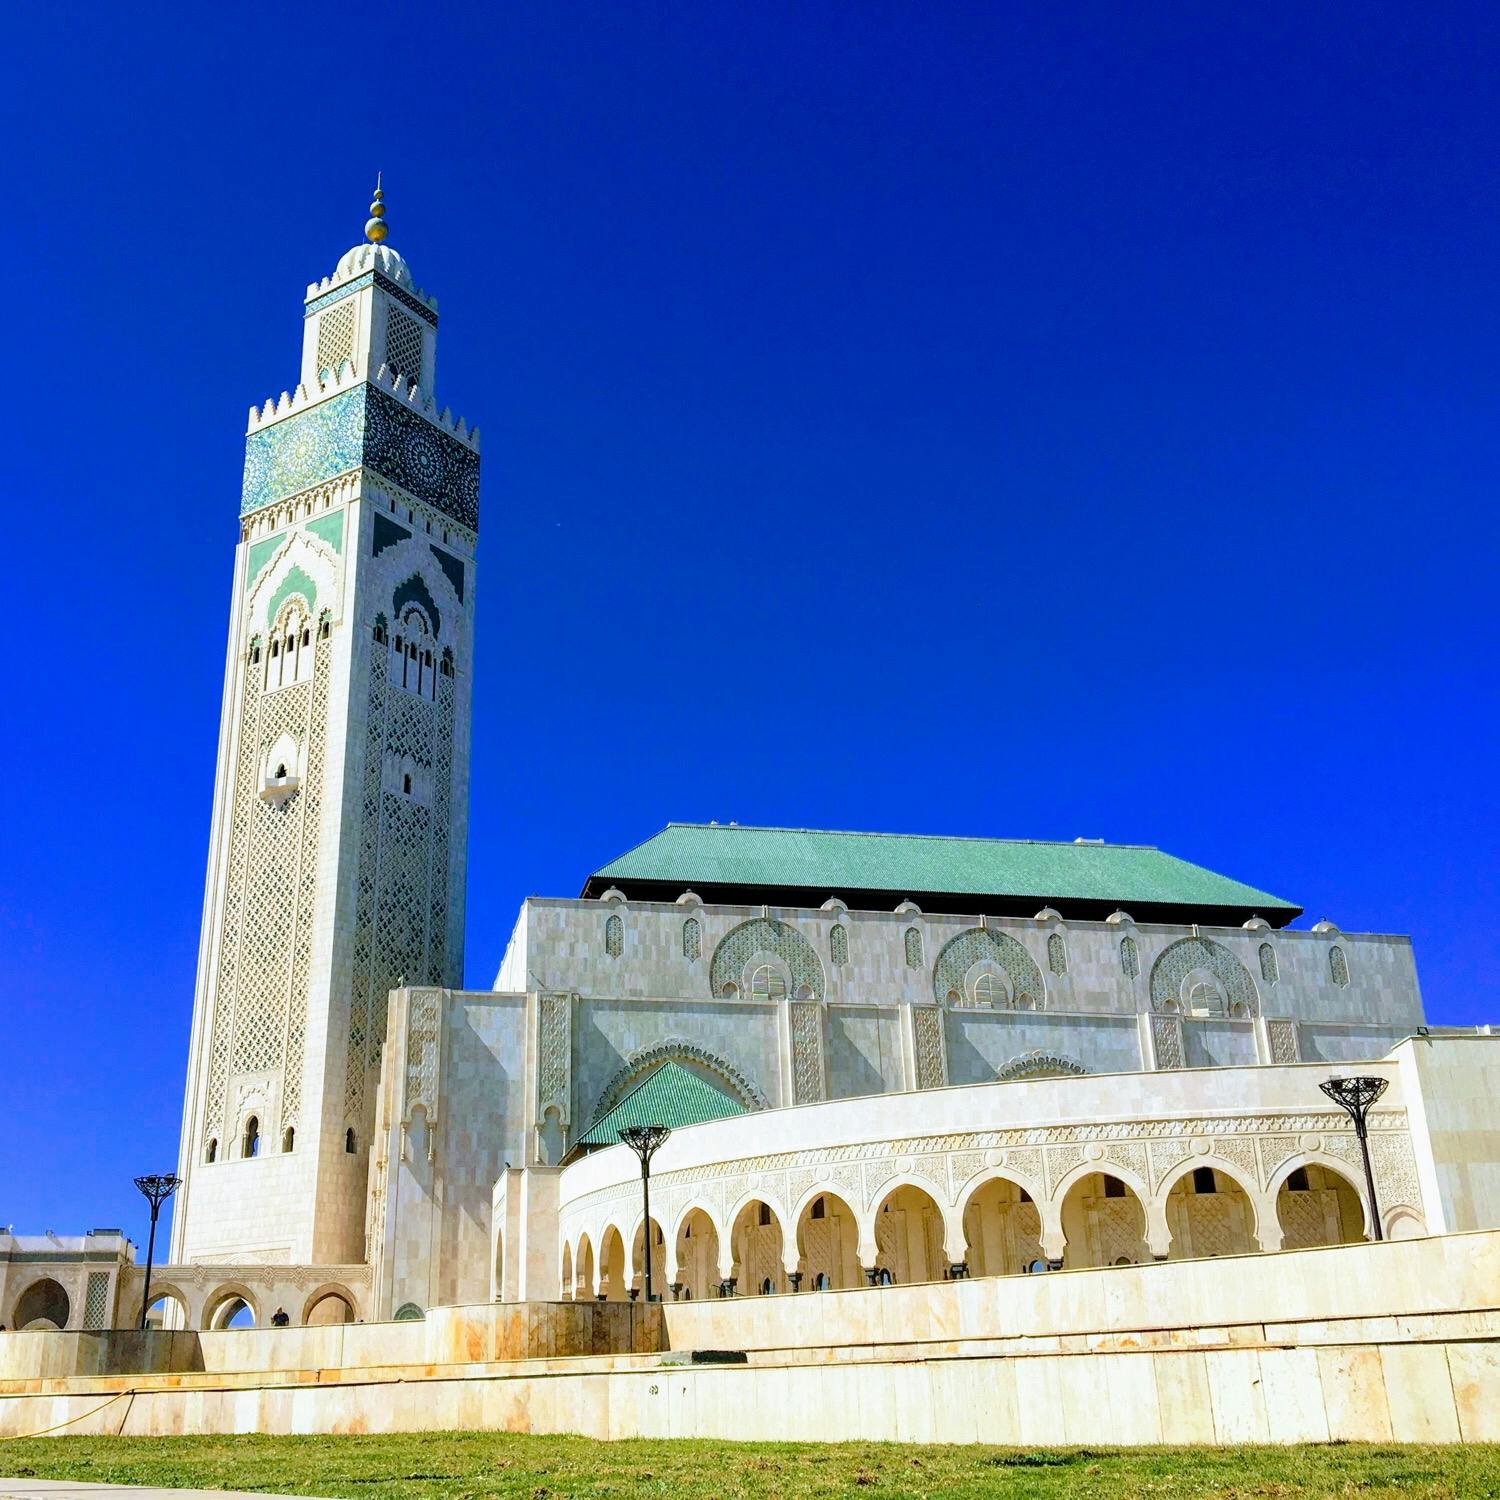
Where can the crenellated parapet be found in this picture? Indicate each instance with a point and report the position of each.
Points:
(408, 391)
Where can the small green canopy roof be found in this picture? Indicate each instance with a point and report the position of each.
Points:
(805, 866)
(670, 1096)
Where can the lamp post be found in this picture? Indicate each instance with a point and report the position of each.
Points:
(158, 1187)
(644, 1140)
(1355, 1096)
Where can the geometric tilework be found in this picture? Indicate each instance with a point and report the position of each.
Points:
(692, 940)
(765, 935)
(1130, 961)
(614, 936)
(362, 426)
(981, 944)
(1189, 954)
(259, 1015)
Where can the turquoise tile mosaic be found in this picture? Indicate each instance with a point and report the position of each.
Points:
(362, 426)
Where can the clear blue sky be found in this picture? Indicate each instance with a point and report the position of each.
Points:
(1038, 420)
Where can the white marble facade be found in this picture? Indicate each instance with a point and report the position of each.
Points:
(593, 995)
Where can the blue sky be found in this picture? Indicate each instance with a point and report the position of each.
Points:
(1035, 420)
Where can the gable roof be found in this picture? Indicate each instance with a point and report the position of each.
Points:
(807, 866)
(671, 1096)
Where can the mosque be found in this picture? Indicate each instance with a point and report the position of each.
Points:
(884, 1059)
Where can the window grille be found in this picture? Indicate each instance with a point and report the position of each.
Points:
(692, 940)
(913, 948)
(1338, 967)
(1057, 954)
(335, 337)
(1130, 958)
(1268, 970)
(838, 944)
(403, 344)
(614, 937)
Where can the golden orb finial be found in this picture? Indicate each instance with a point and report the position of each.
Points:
(375, 228)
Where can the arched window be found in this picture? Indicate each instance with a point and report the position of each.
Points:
(250, 1146)
(885, 1277)
(254, 650)
(1268, 969)
(411, 661)
(1130, 958)
(913, 948)
(1203, 1180)
(838, 943)
(212, 1154)
(1338, 967)
(349, 1141)
(381, 635)
(288, 1138)
(766, 1287)
(1057, 954)
(1205, 997)
(989, 989)
(766, 983)
(614, 936)
(446, 665)
(764, 1217)
(692, 940)
(406, 783)
(821, 1283)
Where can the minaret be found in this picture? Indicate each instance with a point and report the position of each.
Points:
(337, 850)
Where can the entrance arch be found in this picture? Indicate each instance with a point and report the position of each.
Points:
(44, 1304)
(828, 1240)
(230, 1307)
(168, 1310)
(697, 1255)
(909, 1234)
(1316, 1205)
(1002, 1229)
(757, 1242)
(613, 1278)
(1209, 1212)
(1104, 1223)
(658, 1260)
(583, 1284)
(329, 1304)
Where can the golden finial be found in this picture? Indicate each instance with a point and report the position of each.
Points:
(375, 229)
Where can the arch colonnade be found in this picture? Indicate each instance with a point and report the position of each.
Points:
(1000, 1223)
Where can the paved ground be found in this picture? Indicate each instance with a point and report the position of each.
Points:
(66, 1489)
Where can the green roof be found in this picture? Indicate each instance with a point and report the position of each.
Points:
(670, 1096)
(1096, 874)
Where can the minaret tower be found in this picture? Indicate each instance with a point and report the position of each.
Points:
(337, 852)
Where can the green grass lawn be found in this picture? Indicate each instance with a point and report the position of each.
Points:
(474, 1464)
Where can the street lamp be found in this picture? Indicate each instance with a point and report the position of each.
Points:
(644, 1141)
(158, 1187)
(1355, 1096)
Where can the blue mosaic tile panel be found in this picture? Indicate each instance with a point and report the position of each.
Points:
(362, 426)
(302, 450)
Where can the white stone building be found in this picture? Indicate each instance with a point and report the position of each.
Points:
(884, 1058)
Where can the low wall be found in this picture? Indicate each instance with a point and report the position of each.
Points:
(1439, 1274)
(1429, 1393)
(1387, 1342)
(448, 1336)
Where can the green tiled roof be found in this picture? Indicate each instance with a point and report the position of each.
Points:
(711, 854)
(671, 1096)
